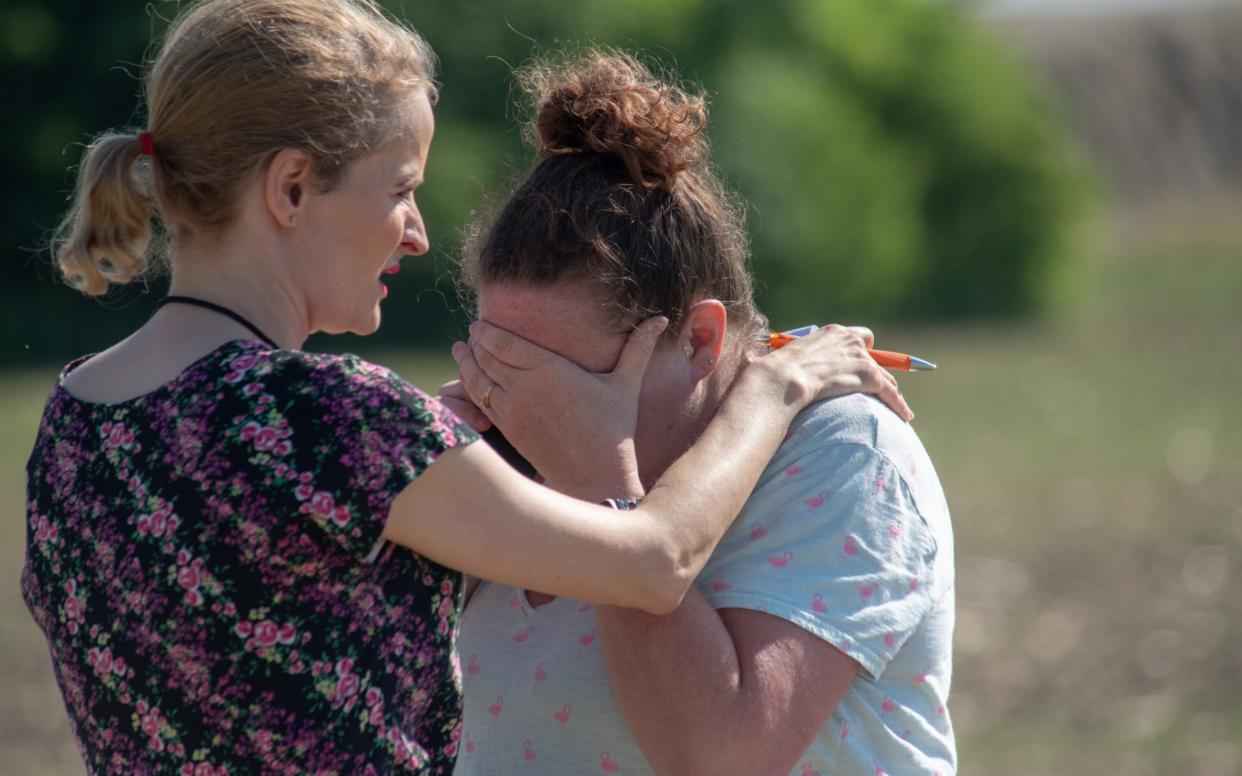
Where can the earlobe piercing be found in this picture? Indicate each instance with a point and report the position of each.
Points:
(711, 360)
(293, 219)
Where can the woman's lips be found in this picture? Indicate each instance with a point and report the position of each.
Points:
(390, 270)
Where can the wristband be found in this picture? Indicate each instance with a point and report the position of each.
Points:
(622, 503)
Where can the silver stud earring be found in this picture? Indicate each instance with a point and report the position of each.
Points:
(711, 360)
(293, 219)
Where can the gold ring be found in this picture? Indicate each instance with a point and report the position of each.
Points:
(486, 401)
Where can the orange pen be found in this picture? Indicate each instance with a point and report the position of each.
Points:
(885, 358)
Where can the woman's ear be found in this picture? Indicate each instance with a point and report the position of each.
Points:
(285, 184)
(703, 336)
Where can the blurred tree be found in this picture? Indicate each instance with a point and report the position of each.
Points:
(899, 162)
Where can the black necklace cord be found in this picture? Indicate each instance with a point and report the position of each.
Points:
(215, 308)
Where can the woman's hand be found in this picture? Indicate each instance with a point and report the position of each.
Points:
(576, 428)
(454, 395)
(833, 361)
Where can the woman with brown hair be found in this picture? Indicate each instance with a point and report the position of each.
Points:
(818, 637)
(242, 553)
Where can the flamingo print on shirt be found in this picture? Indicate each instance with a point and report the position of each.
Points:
(782, 560)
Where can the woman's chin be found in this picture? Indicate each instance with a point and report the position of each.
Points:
(363, 324)
(369, 325)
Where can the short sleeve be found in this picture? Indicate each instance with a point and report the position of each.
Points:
(834, 543)
(342, 437)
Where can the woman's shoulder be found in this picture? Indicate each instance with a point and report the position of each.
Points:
(346, 388)
(320, 373)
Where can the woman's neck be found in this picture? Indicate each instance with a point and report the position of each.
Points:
(733, 361)
(246, 279)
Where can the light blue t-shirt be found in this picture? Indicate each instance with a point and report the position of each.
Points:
(846, 535)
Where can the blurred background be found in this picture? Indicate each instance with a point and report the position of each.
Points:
(1040, 195)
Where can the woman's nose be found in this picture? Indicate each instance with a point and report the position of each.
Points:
(415, 238)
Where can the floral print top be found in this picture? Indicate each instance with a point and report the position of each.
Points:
(206, 562)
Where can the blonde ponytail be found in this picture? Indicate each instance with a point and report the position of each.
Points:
(103, 238)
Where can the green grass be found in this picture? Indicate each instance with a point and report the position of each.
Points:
(1094, 466)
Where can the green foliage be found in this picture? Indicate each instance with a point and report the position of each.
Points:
(898, 161)
(905, 166)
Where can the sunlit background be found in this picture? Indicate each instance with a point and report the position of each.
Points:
(1043, 196)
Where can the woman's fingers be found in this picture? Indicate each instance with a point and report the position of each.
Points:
(453, 395)
(470, 414)
(509, 347)
(481, 388)
(885, 389)
(847, 335)
(492, 366)
(638, 348)
(868, 336)
(837, 356)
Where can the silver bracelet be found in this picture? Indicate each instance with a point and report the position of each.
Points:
(622, 503)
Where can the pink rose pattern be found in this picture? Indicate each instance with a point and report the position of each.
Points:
(201, 561)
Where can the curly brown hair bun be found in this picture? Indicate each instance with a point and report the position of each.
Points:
(623, 193)
(609, 103)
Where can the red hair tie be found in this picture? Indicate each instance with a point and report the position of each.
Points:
(147, 142)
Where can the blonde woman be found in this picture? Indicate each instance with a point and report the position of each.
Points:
(243, 554)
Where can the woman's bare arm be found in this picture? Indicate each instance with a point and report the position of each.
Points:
(472, 512)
